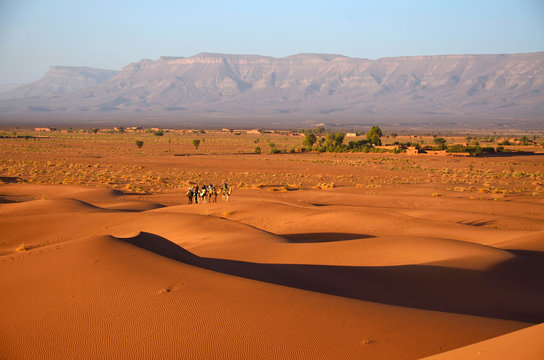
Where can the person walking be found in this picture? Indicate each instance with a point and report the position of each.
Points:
(196, 192)
(190, 195)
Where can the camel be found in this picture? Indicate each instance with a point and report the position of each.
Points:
(190, 195)
(212, 194)
(225, 193)
(204, 195)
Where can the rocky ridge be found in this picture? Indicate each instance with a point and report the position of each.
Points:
(317, 86)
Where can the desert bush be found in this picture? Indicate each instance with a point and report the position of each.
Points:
(456, 148)
(325, 186)
(23, 247)
(472, 150)
(358, 145)
(525, 140)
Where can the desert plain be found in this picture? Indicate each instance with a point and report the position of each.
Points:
(315, 256)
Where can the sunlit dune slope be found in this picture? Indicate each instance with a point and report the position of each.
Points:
(120, 300)
(522, 344)
(305, 275)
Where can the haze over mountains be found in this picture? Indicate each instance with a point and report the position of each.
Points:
(450, 90)
(60, 80)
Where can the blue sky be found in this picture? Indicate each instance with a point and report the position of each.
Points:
(111, 34)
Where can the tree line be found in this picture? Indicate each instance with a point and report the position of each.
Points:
(334, 142)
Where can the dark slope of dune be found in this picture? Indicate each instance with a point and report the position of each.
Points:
(511, 290)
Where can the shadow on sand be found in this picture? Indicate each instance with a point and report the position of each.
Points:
(512, 290)
(323, 237)
(10, 179)
(477, 223)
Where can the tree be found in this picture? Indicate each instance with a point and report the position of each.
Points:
(374, 135)
(158, 133)
(309, 140)
(257, 149)
(339, 139)
(329, 139)
(139, 143)
(320, 130)
(334, 142)
(196, 143)
(440, 142)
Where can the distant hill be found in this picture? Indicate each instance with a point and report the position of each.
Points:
(304, 88)
(8, 87)
(61, 80)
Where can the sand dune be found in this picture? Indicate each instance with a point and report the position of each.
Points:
(530, 242)
(110, 275)
(432, 287)
(65, 191)
(522, 344)
(135, 206)
(29, 208)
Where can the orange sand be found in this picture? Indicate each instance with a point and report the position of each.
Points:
(314, 274)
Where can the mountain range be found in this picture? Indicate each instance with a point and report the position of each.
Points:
(451, 90)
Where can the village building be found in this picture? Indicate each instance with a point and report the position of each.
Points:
(412, 150)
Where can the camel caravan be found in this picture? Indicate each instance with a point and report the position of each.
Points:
(207, 194)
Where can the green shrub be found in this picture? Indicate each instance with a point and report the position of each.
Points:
(196, 143)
